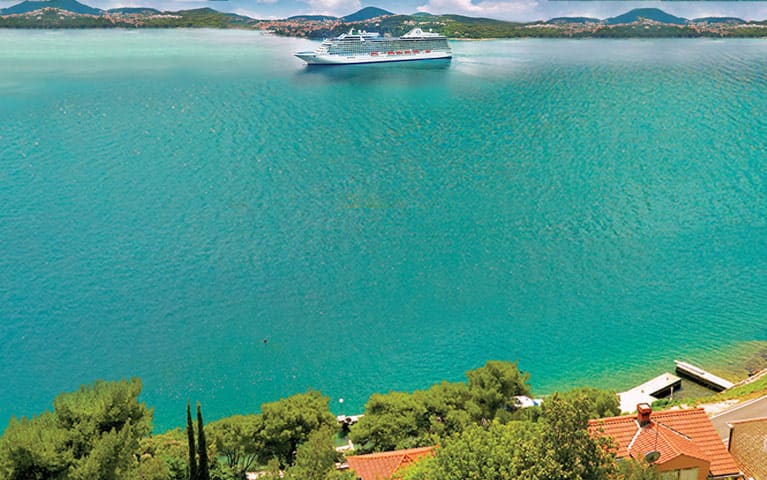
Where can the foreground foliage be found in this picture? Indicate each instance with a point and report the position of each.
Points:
(402, 420)
(556, 447)
(91, 433)
(102, 431)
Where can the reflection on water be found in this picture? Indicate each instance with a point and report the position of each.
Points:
(411, 73)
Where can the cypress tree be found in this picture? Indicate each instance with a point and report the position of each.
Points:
(203, 473)
(192, 453)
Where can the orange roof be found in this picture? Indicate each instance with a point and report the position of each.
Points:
(692, 424)
(380, 466)
(667, 441)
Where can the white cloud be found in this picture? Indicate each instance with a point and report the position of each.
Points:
(334, 7)
(506, 9)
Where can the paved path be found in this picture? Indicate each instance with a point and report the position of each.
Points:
(751, 409)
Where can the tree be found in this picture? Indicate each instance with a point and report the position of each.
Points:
(392, 421)
(235, 439)
(448, 409)
(566, 450)
(34, 449)
(495, 451)
(93, 432)
(192, 450)
(492, 386)
(203, 472)
(287, 423)
(340, 475)
(557, 447)
(273, 470)
(164, 457)
(598, 403)
(630, 469)
(426, 417)
(316, 457)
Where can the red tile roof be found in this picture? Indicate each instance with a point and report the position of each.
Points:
(380, 466)
(692, 424)
(668, 442)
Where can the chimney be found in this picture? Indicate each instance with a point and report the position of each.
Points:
(644, 410)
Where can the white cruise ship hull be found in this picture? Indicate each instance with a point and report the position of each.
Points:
(313, 58)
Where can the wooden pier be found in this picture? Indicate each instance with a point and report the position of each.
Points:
(649, 391)
(702, 377)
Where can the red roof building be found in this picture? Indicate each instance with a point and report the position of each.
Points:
(381, 466)
(682, 444)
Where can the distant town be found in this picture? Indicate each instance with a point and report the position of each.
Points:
(638, 23)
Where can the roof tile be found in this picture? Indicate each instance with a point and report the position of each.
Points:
(691, 423)
(380, 466)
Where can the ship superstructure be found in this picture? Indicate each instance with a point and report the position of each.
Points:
(367, 47)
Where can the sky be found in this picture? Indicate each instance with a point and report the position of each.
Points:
(518, 10)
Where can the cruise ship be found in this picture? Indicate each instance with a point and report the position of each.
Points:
(367, 47)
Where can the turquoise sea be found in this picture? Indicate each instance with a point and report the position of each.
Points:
(170, 199)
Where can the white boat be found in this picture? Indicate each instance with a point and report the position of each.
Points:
(366, 47)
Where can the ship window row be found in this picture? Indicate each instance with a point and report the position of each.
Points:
(395, 45)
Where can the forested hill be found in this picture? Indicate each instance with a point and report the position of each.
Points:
(67, 5)
(644, 22)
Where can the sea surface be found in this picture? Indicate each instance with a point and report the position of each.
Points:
(170, 199)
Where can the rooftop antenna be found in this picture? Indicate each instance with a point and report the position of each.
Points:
(653, 455)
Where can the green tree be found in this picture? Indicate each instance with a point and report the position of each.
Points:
(495, 451)
(315, 458)
(340, 475)
(630, 469)
(111, 457)
(426, 417)
(566, 450)
(447, 409)
(287, 423)
(599, 403)
(392, 421)
(192, 450)
(203, 472)
(492, 386)
(235, 439)
(273, 470)
(35, 449)
(164, 456)
(557, 447)
(91, 433)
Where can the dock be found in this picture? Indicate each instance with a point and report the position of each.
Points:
(649, 391)
(702, 377)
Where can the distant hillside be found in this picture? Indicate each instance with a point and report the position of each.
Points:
(378, 20)
(573, 20)
(312, 18)
(729, 20)
(207, 16)
(654, 14)
(366, 14)
(134, 10)
(68, 5)
(475, 20)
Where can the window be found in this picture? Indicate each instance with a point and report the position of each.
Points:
(686, 474)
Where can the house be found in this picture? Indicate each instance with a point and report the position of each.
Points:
(682, 444)
(748, 445)
(381, 466)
